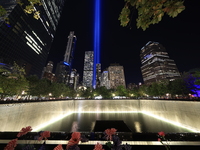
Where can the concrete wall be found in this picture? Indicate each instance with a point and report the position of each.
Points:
(15, 116)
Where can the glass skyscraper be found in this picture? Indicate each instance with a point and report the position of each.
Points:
(116, 76)
(88, 68)
(26, 40)
(156, 64)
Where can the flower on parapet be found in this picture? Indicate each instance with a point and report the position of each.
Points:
(44, 135)
(98, 147)
(163, 140)
(161, 133)
(109, 133)
(11, 145)
(75, 138)
(24, 131)
(58, 147)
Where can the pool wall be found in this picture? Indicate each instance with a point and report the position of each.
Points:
(15, 116)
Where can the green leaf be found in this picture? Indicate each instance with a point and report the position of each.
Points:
(109, 144)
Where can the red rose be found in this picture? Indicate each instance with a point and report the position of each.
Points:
(161, 133)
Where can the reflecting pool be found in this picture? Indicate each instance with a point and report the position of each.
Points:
(137, 122)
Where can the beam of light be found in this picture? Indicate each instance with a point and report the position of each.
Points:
(96, 40)
(39, 127)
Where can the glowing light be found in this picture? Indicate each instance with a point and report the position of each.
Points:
(96, 40)
(171, 122)
(65, 63)
(37, 128)
(106, 112)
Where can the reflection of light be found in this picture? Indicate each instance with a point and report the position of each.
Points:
(146, 113)
(74, 126)
(37, 128)
(108, 112)
(137, 126)
(171, 122)
(65, 63)
(92, 126)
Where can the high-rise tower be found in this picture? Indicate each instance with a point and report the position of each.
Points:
(49, 67)
(105, 79)
(70, 48)
(26, 40)
(156, 64)
(116, 76)
(63, 69)
(88, 69)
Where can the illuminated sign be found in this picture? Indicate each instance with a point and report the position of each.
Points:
(65, 63)
(148, 56)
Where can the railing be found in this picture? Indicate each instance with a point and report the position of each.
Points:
(139, 140)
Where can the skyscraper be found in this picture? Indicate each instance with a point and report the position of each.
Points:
(116, 76)
(24, 39)
(98, 75)
(88, 69)
(156, 64)
(105, 79)
(70, 48)
(49, 67)
(63, 69)
(47, 72)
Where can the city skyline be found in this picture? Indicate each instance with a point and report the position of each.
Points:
(121, 45)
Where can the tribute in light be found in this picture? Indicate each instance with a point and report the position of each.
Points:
(96, 40)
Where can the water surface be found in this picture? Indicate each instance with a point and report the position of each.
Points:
(137, 122)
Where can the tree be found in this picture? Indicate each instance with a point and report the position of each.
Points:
(197, 76)
(121, 91)
(39, 87)
(29, 7)
(178, 87)
(103, 91)
(192, 82)
(149, 11)
(3, 12)
(85, 92)
(142, 91)
(58, 89)
(13, 81)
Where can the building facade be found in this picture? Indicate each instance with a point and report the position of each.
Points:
(49, 67)
(64, 68)
(26, 40)
(74, 79)
(116, 76)
(156, 64)
(69, 53)
(105, 79)
(98, 75)
(88, 69)
(47, 72)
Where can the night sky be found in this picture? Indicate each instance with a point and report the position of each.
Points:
(180, 36)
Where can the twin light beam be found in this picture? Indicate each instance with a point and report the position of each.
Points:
(96, 40)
